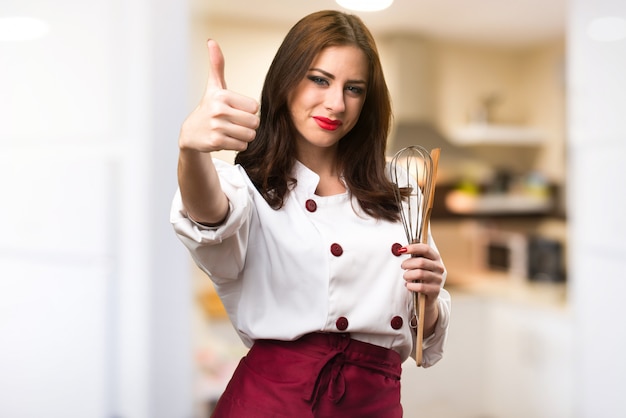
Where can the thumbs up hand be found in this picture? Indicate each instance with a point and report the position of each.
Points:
(224, 120)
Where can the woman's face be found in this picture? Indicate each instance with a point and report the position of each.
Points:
(328, 101)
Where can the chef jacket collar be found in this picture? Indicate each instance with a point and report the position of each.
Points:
(307, 179)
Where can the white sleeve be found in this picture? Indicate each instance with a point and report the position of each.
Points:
(219, 251)
(433, 346)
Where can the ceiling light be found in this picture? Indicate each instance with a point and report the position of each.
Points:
(16, 28)
(365, 5)
(607, 29)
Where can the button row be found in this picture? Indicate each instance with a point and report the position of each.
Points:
(342, 323)
(337, 249)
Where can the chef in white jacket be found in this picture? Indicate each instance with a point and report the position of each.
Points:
(302, 236)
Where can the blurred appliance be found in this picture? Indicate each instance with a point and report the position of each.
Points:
(504, 251)
(545, 260)
(532, 258)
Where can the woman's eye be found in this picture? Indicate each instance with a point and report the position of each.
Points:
(355, 90)
(318, 80)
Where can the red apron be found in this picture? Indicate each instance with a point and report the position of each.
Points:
(321, 375)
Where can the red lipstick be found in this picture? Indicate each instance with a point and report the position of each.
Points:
(328, 124)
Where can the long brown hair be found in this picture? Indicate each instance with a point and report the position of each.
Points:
(270, 157)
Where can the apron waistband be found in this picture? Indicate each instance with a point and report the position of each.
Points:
(333, 351)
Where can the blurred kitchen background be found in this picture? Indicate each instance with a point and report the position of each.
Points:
(102, 314)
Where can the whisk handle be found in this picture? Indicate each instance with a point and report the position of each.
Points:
(420, 298)
(421, 308)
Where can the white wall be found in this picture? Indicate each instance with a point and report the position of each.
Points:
(94, 286)
(597, 169)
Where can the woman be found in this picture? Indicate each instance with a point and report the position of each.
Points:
(301, 237)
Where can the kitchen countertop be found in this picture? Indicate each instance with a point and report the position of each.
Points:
(500, 286)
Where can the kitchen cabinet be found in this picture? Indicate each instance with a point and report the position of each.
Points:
(507, 356)
(454, 387)
(530, 354)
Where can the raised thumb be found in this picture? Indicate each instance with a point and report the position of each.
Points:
(216, 66)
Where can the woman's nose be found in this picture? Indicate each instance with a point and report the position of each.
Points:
(335, 100)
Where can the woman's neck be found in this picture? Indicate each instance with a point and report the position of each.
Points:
(330, 186)
(324, 165)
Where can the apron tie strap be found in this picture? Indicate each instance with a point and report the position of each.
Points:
(328, 379)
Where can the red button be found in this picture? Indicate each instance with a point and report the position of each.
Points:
(395, 249)
(336, 250)
(342, 323)
(311, 206)
(396, 322)
(414, 321)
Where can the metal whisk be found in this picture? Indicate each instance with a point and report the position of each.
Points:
(414, 170)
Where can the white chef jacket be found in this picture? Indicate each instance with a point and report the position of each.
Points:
(318, 264)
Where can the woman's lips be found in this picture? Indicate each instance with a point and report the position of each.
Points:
(328, 124)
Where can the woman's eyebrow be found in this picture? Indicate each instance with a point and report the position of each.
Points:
(332, 77)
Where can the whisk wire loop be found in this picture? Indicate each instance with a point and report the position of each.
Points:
(412, 172)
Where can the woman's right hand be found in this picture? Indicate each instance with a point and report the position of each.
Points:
(224, 120)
